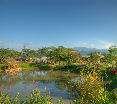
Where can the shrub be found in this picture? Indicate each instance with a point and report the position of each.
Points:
(43, 66)
(70, 68)
(92, 90)
(5, 99)
(34, 98)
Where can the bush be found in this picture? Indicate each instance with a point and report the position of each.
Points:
(110, 78)
(3, 67)
(70, 68)
(34, 98)
(43, 66)
(92, 90)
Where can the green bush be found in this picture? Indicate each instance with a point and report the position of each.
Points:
(43, 66)
(2, 68)
(27, 66)
(34, 98)
(70, 68)
(92, 90)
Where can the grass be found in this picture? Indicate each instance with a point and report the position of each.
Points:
(27, 66)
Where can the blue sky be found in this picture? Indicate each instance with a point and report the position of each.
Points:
(72, 23)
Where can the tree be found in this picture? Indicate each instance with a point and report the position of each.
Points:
(63, 56)
(111, 56)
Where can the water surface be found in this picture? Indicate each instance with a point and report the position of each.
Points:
(48, 82)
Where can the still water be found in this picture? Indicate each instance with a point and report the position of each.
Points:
(48, 82)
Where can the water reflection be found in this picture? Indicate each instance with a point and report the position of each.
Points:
(48, 83)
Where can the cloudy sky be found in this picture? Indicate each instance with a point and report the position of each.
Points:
(72, 23)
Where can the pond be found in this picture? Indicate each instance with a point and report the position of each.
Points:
(48, 82)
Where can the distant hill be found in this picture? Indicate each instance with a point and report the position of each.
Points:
(86, 51)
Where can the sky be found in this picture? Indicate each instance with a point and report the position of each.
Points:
(72, 23)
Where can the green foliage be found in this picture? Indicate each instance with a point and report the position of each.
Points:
(62, 54)
(27, 66)
(94, 68)
(36, 98)
(44, 66)
(24, 65)
(70, 68)
(113, 50)
(17, 99)
(2, 68)
(26, 54)
(59, 101)
(4, 53)
(92, 90)
(114, 95)
(111, 57)
(5, 99)
(33, 98)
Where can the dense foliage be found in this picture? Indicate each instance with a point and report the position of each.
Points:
(99, 71)
(33, 98)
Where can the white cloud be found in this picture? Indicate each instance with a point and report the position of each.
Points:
(106, 44)
(100, 44)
